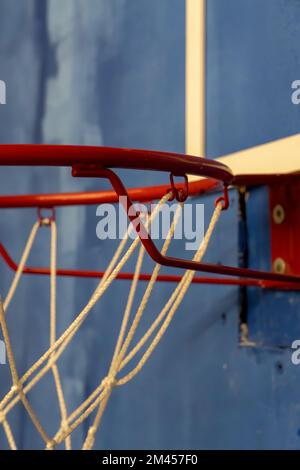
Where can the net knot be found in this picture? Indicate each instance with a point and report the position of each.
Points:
(109, 382)
(16, 388)
(51, 444)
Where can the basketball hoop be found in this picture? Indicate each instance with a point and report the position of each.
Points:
(98, 162)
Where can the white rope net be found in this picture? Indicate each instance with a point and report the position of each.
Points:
(94, 405)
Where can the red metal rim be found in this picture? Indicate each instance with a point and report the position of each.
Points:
(142, 194)
(96, 161)
(109, 157)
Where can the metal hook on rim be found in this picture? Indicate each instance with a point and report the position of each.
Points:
(46, 220)
(223, 199)
(180, 194)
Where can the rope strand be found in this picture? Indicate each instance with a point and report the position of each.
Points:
(122, 356)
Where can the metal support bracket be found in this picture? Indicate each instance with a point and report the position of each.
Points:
(285, 227)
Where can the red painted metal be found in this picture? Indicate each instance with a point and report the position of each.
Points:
(83, 171)
(179, 193)
(145, 194)
(109, 157)
(146, 276)
(251, 180)
(93, 162)
(223, 199)
(285, 230)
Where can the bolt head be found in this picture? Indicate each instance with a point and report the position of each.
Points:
(278, 214)
(279, 266)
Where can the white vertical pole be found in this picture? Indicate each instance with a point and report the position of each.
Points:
(195, 77)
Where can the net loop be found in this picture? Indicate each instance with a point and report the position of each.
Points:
(45, 219)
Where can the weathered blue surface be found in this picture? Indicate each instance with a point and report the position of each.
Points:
(111, 72)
